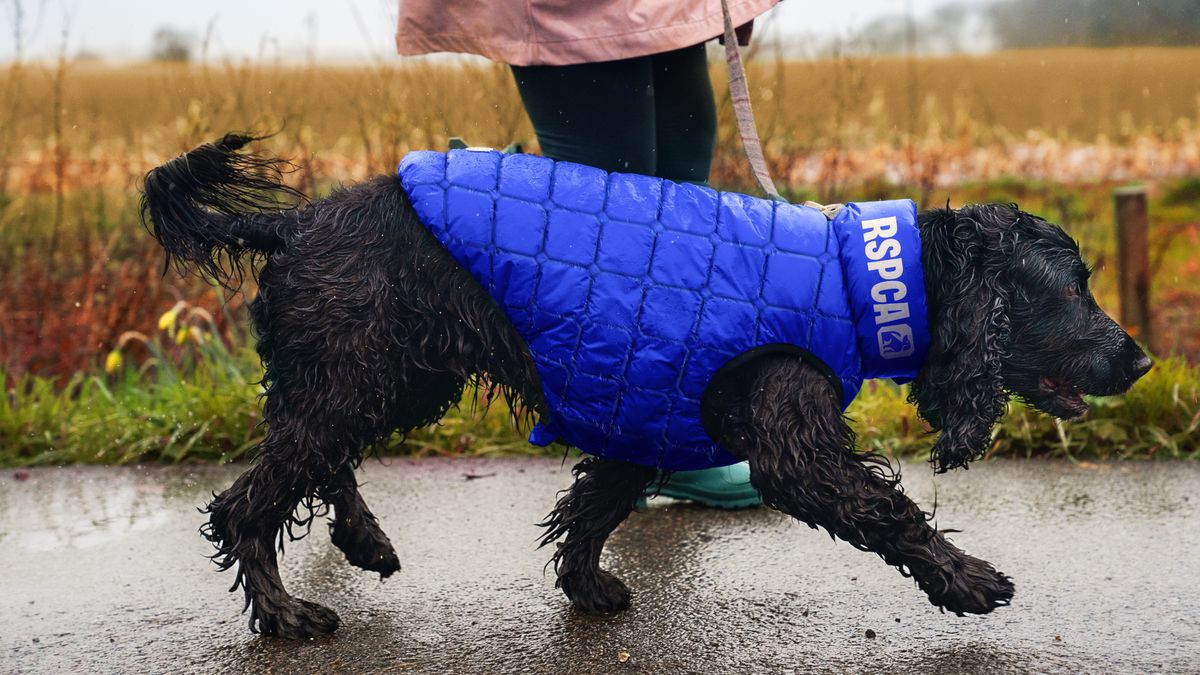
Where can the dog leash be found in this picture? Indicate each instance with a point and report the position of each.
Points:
(739, 93)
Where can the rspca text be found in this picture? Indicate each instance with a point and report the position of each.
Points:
(891, 313)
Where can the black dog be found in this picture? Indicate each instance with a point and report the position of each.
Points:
(368, 326)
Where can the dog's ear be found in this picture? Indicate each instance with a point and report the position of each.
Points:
(960, 391)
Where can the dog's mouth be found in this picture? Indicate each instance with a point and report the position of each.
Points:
(1058, 397)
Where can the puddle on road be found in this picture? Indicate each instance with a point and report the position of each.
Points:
(83, 507)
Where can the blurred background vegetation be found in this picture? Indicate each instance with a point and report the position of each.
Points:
(105, 359)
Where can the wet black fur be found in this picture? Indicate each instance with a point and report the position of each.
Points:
(367, 326)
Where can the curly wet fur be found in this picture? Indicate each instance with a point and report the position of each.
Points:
(1008, 306)
(367, 326)
(813, 473)
(203, 208)
(970, 331)
(602, 496)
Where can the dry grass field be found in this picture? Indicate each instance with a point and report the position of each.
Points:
(1081, 93)
(1069, 113)
(1054, 130)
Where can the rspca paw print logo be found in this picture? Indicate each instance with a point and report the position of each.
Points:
(895, 342)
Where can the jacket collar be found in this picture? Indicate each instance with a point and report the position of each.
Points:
(880, 251)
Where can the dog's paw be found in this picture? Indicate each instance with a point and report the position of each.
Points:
(386, 563)
(599, 593)
(973, 586)
(366, 547)
(383, 561)
(295, 619)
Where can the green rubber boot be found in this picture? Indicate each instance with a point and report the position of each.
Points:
(725, 487)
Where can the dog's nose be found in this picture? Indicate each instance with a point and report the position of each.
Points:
(1142, 365)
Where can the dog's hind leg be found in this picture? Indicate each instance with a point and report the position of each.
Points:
(355, 530)
(602, 496)
(247, 523)
(785, 418)
(316, 433)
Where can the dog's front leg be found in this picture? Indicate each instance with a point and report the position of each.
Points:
(602, 496)
(789, 426)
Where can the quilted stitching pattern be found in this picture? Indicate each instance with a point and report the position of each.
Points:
(632, 291)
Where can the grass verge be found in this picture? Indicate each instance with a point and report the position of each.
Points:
(193, 397)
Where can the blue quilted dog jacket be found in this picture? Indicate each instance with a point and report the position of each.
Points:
(631, 292)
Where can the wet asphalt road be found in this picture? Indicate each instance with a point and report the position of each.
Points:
(103, 572)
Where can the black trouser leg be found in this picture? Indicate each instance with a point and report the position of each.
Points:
(652, 115)
(685, 114)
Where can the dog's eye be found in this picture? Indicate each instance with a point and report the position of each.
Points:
(1073, 289)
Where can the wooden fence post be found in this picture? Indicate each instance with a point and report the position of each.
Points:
(1133, 261)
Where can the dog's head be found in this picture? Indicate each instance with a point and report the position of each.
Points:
(1010, 314)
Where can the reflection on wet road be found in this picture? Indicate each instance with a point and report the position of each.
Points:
(102, 570)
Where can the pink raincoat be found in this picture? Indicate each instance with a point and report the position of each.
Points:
(562, 32)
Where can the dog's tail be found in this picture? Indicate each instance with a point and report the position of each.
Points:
(213, 207)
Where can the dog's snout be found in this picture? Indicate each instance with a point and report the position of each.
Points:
(1142, 365)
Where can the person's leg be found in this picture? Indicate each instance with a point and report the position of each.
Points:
(724, 487)
(652, 115)
(685, 114)
(598, 114)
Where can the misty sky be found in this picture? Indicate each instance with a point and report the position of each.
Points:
(328, 30)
